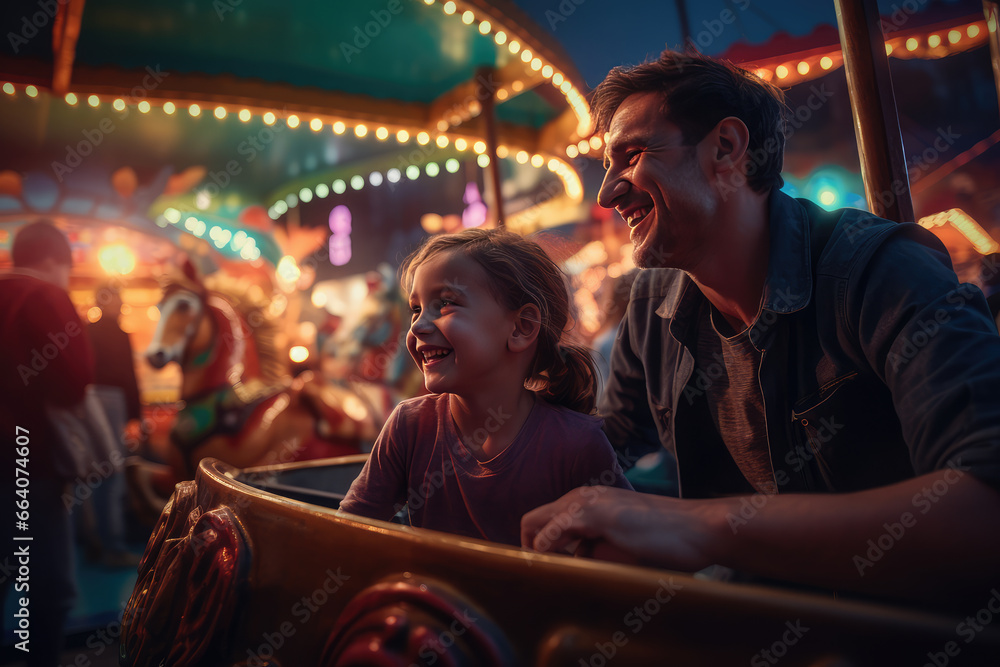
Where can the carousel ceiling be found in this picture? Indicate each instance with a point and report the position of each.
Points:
(228, 110)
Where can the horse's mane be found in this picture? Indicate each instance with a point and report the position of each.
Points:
(254, 307)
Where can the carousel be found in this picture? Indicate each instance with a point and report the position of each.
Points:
(253, 209)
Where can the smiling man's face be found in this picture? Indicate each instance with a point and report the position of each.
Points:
(658, 186)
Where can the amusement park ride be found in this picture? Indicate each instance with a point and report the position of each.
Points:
(249, 563)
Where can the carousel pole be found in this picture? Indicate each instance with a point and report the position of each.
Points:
(991, 9)
(494, 184)
(876, 124)
(65, 32)
(682, 19)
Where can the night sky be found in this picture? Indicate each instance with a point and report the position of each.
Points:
(600, 34)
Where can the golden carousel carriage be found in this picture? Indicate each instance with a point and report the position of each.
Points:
(255, 567)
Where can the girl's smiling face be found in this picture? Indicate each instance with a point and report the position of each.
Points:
(458, 332)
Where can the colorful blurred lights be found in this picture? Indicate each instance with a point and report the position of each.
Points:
(116, 259)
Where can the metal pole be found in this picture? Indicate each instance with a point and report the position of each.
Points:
(873, 105)
(682, 17)
(493, 182)
(991, 9)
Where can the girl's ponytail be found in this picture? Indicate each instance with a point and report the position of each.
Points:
(571, 377)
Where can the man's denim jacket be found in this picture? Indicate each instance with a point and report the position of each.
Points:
(877, 364)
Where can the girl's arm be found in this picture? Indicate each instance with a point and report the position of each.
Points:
(380, 490)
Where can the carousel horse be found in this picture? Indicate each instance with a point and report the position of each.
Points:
(239, 404)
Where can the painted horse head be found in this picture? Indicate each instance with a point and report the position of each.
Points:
(219, 337)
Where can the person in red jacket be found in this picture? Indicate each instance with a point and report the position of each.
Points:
(45, 359)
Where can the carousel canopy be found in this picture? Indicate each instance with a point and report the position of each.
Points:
(200, 116)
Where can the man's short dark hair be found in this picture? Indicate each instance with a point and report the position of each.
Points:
(698, 92)
(38, 241)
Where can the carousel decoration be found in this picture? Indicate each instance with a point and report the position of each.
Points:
(192, 579)
(408, 620)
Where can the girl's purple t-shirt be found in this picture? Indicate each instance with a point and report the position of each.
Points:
(420, 460)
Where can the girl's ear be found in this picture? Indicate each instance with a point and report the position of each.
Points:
(527, 324)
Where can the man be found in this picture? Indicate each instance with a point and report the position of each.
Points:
(828, 388)
(45, 359)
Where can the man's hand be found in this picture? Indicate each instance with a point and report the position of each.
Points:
(625, 526)
(882, 541)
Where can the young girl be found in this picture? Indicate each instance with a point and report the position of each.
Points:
(507, 426)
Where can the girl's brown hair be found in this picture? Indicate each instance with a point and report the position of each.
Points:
(520, 273)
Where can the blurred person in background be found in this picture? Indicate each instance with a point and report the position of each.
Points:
(44, 360)
(118, 391)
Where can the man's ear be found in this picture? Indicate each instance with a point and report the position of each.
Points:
(730, 140)
(527, 325)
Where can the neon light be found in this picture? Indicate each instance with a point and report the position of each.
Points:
(340, 238)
